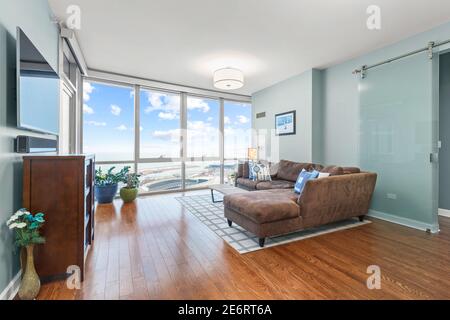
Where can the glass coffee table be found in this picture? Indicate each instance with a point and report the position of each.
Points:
(224, 189)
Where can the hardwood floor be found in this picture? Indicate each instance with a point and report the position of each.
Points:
(154, 249)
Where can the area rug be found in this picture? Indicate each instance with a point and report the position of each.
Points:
(211, 215)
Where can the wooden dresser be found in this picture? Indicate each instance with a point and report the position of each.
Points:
(62, 187)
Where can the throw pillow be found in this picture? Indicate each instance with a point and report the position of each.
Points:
(303, 178)
(251, 172)
(264, 173)
(323, 175)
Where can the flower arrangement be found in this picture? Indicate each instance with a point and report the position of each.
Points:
(26, 227)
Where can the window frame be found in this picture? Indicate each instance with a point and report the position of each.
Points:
(138, 84)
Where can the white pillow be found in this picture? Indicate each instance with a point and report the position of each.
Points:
(323, 175)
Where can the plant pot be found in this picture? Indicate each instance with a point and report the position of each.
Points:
(128, 194)
(106, 194)
(31, 284)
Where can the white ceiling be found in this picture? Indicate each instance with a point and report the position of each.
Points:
(184, 41)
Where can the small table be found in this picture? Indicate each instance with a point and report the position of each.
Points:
(224, 189)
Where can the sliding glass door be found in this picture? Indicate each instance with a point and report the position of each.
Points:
(398, 140)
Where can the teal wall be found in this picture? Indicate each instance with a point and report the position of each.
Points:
(341, 97)
(329, 122)
(341, 110)
(298, 93)
(34, 18)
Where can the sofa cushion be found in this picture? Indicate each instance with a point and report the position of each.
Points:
(275, 184)
(249, 184)
(350, 170)
(242, 169)
(333, 170)
(289, 170)
(264, 206)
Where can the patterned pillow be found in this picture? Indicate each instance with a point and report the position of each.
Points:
(264, 173)
(303, 178)
(251, 172)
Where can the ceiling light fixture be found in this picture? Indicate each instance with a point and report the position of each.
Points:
(228, 79)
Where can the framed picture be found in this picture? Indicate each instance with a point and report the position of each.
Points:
(285, 123)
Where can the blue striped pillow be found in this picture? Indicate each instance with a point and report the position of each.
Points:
(303, 178)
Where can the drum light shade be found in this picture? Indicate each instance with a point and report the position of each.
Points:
(252, 154)
(228, 79)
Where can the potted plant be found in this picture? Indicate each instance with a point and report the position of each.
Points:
(232, 179)
(130, 191)
(107, 183)
(26, 227)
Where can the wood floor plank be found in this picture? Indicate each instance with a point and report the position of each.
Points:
(155, 249)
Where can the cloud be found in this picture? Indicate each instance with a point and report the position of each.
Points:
(197, 125)
(210, 119)
(122, 127)
(197, 103)
(87, 109)
(87, 90)
(96, 123)
(168, 104)
(170, 135)
(167, 116)
(115, 110)
(226, 120)
(201, 129)
(243, 119)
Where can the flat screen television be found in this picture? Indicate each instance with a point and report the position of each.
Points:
(37, 89)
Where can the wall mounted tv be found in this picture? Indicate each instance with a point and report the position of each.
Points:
(37, 89)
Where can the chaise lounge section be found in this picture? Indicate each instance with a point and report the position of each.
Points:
(344, 194)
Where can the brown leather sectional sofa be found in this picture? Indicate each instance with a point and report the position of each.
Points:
(275, 209)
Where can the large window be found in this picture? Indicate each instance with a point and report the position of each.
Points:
(179, 138)
(108, 126)
(202, 173)
(203, 132)
(159, 124)
(237, 129)
(161, 176)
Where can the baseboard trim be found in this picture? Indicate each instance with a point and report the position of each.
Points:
(444, 212)
(404, 221)
(12, 288)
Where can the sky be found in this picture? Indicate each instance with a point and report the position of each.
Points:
(108, 113)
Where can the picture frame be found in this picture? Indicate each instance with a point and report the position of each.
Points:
(285, 123)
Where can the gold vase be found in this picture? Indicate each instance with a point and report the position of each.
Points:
(31, 284)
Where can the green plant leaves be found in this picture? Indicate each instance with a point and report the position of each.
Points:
(110, 178)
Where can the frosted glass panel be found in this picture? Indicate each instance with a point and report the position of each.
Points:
(398, 135)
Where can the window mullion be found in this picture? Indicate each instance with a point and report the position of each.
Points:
(183, 137)
(221, 140)
(137, 126)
